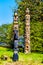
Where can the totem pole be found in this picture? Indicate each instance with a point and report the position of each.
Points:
(15, 31)
(27, 31)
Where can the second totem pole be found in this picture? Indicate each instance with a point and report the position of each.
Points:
(27, 32)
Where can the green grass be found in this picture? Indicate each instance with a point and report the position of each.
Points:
(31, 56)
(22, 56)
(5, 51)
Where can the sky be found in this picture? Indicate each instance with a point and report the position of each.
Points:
(6, 11)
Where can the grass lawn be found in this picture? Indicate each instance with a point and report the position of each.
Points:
(32, 57)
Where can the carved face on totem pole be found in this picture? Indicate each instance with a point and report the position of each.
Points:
(16, 17)
(27, 11)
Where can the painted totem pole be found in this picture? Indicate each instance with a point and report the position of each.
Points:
(27, 32)
(15, 30)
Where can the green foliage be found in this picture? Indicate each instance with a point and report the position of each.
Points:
(36, 36)
(9, 33)
(3, 32)
(35, 7)
(6, 33)
(21, 28)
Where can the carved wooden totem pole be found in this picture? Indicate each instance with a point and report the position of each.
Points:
(15, 30)
(27, 32)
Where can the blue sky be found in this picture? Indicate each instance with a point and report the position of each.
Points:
(6, 11)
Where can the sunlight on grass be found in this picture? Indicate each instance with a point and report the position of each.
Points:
(32, 58)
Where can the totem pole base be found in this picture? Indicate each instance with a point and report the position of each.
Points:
(15, 57)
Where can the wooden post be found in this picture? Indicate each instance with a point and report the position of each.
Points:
(27, 32)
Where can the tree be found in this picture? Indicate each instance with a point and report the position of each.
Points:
(3, 32)
(35, 6)
(6, 33)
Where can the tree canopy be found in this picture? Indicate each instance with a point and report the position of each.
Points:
(35, 7)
